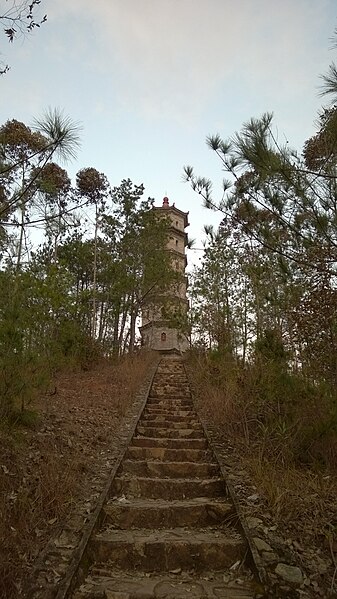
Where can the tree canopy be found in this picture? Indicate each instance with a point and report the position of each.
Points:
(101, 255)
(271, 266)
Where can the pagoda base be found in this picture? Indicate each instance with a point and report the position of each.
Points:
(159, 336)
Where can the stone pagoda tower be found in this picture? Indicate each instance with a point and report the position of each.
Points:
(156, 331)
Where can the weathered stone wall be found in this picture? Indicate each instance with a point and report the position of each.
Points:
(164, 338)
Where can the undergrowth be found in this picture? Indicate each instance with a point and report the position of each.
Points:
(293, 421)
(282, 425)
(47, 457)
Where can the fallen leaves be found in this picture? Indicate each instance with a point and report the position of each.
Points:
(58, 470)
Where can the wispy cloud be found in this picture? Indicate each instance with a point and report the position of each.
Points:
(169, 58)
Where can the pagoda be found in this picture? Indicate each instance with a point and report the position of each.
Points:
(157, 330)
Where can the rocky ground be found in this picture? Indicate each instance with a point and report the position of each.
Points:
(299, 558)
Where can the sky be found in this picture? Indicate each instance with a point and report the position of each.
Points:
(149, 79)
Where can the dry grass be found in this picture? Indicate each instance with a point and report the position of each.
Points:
(294, 495)
(282, 439)
(46, 469)
(31, 499)
(288, 419)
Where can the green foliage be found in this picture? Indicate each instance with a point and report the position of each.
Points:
(52, 180)
(61, 132)
(22, 377)
(78, 296)
(91, 184)
(276, 247)
(264, 298)
(280, 415)
(25, 418)
(143, 270)
(270, 347)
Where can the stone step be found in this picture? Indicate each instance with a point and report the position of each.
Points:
(114, 584)
(182, 433)
(169, 469)
(170, 387)
(173, 394)
(176, 403)
(170, 407)
(153, 411)
(169, 424)
(169, 417)
(165, 488)
(159, 513)
(170, 391)
(167, 385)
(165, 442)
(171, 377)
(175, 413)
(167, 549)
(168, 528)
(166, 408)
(167, 369)
(168, 455)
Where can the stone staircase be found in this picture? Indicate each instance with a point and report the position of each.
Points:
(169, 530)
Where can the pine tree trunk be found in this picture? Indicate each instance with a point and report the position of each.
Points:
(132, 331)
(93, 330)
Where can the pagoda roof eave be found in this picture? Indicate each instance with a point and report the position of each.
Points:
(176, 210)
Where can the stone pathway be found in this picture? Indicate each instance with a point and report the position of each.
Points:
(169, 529)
